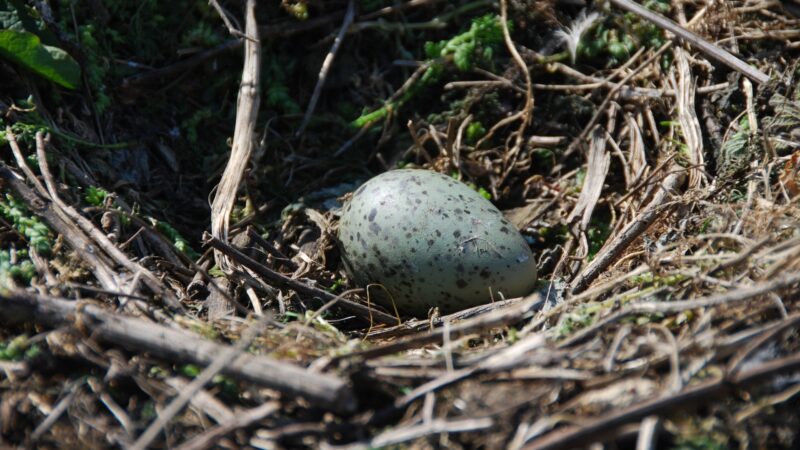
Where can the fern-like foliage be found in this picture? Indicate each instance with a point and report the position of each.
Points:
(783, 128)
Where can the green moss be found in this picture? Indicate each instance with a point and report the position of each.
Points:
(180, 243)
(193, 122)
(37, 233)
(95, 196)
(96, 68)
(14, 349)
(15, 266)
(475, 131)
(277, 70)
(620, 35)
(464, 51)
(597, 234)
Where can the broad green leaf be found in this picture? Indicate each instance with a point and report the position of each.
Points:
(27, 50)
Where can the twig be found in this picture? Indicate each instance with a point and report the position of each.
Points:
(504, 358)
(240, 420)
(221, 360)
(738, 359)
(610, 96)
(493, 319)
(59, 409)
(598, 161)
(227, 20)
(608, 254)
(527, 111)
(685, 93)
(325, 391)
(283, 259)
(20, 158)
(303, 289)
(152, 282)
(81, 243)
(736, 295)
(436, 426)
(243, 135)
(326, 66)
(130, 85)
(706, 47)
(416, 325)
(203, 401)
(596, 429)
(648, 433)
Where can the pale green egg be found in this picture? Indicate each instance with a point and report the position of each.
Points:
(431, 241)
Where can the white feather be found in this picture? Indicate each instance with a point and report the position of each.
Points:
(571, 35)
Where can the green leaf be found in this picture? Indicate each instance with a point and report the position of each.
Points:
(26, 50)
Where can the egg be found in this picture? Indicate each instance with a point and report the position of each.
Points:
(421, 239)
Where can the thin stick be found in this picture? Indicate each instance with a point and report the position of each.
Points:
(240, 420)
(326, 66)
(233, 29)
(671, 307)
(528, 110)
(610, 96)
(178, 403)
(152, 282)
(608, 254)
(303, 289)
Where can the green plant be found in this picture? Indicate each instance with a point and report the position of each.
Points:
(597, 234)
(620, 35)
(96, 68)
(15, 265)
(26, 42)
(36, 232)
(277, 70)
(202, 34)
(191, 124)
(735, 154)
(475, 131)
(464, 51)
(95, 196)
(18, 348)
(298, 9)
(177, 240)
(474, 45)
(583, 316)
(698, 443)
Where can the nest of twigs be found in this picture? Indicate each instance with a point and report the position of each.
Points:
(657, 183)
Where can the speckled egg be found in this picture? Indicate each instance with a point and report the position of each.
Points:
(430, 240)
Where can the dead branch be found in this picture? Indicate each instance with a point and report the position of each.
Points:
(325, 391)
(243, 135)
(85, 246)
